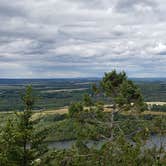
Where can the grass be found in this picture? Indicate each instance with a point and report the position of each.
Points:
(50, 112)
(64, 110)
(153, 113)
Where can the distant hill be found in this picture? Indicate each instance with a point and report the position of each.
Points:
(63, 93)
(150, 79)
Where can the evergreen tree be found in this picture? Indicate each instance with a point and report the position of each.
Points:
(22, 143)
(123, 93)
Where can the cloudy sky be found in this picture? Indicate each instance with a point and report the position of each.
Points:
(82, 38)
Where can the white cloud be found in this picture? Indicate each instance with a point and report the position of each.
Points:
(72, 38)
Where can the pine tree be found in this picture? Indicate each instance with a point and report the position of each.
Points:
(123, 93)
(22, 143)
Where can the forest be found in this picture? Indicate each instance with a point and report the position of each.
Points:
(121, 133)
(57, 93)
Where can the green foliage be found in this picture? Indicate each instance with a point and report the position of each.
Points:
(111, 83)
(21, 142)
(75, 109)
(21, 138)
(87, 100)
(120, 152)
(99, 105)
(160, 125)
(123, 92)
(95, 90)
(9, 153)
(160, 108)
(130, 96)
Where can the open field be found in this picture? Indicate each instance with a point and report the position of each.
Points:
(65, 111)
(50, 112)
(156, 103)
(63, 90)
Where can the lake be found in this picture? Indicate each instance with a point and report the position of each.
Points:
(153, 141)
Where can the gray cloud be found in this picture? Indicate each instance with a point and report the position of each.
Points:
(127, 5)
(72, 38)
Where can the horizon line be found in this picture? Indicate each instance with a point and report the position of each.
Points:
(82, 78)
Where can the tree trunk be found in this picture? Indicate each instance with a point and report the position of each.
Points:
(25, 155)
(112, 122)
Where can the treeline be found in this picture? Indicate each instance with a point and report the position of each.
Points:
(160, 108)
(153, 91)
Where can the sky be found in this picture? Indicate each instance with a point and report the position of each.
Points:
(82, 38)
